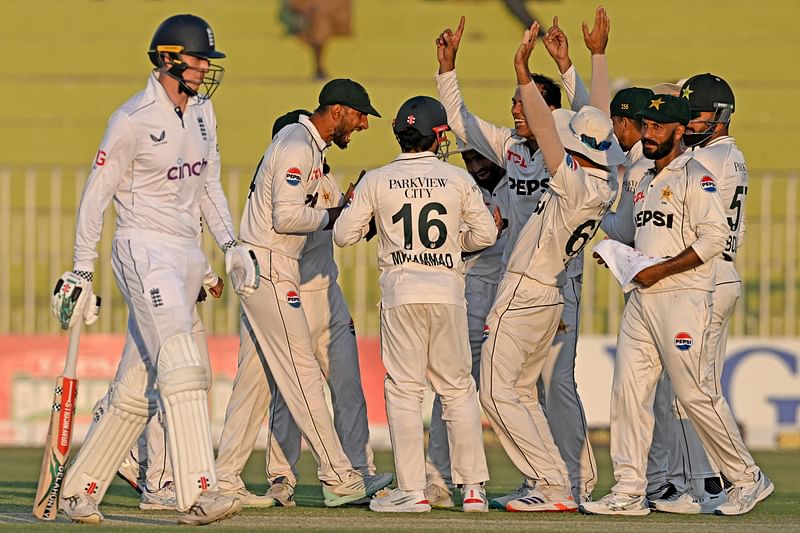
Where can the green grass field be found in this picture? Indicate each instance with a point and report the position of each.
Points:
(19, 471)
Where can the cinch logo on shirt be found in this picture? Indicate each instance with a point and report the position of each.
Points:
(708, 184)
(186, 170)
(293, 176)
(485, 333)
(683, 341)
(658, 218)
(352, 327)
(639, 196)
(293, 299)
(527, 187)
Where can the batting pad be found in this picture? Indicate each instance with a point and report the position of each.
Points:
(112, 435)
(183, 380)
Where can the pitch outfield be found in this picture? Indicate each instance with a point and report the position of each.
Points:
(781, 512)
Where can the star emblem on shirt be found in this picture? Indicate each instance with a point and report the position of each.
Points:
(666, 194)
(686, 92)
(656, 103)
(326, 196)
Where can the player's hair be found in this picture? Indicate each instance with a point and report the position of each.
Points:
(412, 140)
(550, 90)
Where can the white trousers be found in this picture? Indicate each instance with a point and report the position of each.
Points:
(522, 325)
(670, 329)
(276, 345)
(333, 339)
(421, 344)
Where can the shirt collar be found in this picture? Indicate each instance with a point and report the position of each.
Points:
(157, 91)
(414, 155)
(312, 129)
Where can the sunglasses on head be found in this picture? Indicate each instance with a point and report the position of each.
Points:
(591, 142)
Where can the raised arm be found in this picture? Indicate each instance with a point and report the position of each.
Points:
(596, 41)
(557, 45)
(537, 113)
(487, 138)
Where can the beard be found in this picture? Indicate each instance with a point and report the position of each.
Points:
(341, 137)
(656, 151)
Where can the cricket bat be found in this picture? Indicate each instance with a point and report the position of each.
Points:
(59, 435)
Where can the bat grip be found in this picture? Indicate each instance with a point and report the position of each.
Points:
(71, 363)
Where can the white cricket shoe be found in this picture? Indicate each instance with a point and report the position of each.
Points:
(80, 508)
(439, 496)
(545, 499)
(282, 492)
(129, 472)
(401, 501)
(742, 498)
(247, 498)
(160, 500)
(474, 498)
(688, 503)
(355, 487)
(209, 507)
(617, 503)
(526, 489)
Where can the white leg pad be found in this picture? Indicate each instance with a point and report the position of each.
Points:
(112, 433)
(182, 381)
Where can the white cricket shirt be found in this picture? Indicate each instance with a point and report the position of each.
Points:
(161, 170)
(426, 212)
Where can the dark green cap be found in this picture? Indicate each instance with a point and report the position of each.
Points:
(347, 92)
(289, 118)
(665, 108)
(628, 102)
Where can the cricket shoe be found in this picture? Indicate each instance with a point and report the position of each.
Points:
(282, 492)
(129, 472)
(527, 488)
(688, 503)
(210, 506)
(355, 487)
(401, 501)
(664, 492)
(617, 504)
(439, 496)
(247, 498)
(544, 499)
(474, 498)
(80, 508)
(742, 498)
(160, 500)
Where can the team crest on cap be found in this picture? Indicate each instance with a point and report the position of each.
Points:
(656, 104)
(293, 176)
(686, 92)
(571, 163)
(708, 184)
(293, 299)
(485, 333)
(683, 341)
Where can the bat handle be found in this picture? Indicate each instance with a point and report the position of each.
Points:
(71, 363)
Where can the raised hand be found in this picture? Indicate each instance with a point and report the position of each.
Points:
(523, 54)
(597, 39)
(447, 47)
(555, 40)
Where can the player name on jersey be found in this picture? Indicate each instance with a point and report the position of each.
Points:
(424, 258)
(419, 187)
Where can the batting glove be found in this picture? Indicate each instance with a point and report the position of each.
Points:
(73, 299)
(242, 268)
